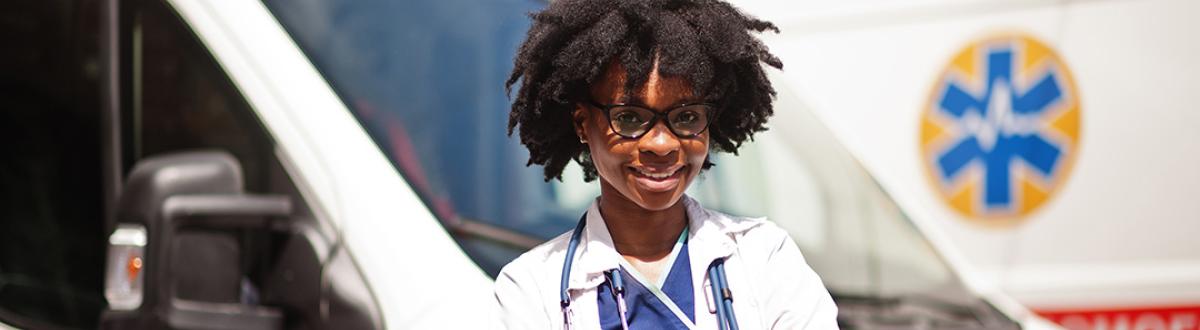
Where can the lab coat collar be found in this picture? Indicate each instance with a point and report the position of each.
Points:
(597, 252)
(710, 237)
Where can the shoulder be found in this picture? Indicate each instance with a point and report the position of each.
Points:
(526, 286)
(767, 235)
(545, 256)
(757, 239)
(748, 230)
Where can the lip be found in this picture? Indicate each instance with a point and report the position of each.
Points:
(651, 179)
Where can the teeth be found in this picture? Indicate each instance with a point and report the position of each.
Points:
(662, 175)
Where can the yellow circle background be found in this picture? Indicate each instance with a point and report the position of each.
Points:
(1060, 124)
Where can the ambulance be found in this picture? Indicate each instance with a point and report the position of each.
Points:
(1049, 147)
(343, 164)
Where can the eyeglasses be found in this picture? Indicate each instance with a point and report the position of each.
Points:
(631, 121)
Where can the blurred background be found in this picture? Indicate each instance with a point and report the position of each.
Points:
(975, 164)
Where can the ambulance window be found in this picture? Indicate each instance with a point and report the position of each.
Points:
(51, 207)
(182, 100)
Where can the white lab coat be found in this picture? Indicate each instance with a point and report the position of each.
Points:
(773, 288)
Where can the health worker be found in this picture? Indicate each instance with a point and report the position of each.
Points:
(638, 92)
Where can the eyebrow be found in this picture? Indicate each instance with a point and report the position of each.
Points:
(639, 102)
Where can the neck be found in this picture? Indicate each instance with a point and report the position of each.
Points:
(637, 232)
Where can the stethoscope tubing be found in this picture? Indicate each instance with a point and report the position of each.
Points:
(723, 297)
(716, 277)
(564, 297)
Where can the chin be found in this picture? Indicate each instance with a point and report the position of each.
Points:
(659, 204)
(656, 200)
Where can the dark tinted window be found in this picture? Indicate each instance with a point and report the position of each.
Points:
(182, 99)
(52, 216)
(51, 203)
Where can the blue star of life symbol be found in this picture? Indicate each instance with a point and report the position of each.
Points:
(1002, 127)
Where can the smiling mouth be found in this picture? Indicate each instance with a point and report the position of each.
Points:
(658, 181)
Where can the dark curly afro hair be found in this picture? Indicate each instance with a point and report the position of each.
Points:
(708, 42)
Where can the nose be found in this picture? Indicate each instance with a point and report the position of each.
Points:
(659, 141)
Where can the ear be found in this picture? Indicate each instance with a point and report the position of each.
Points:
(579, 120)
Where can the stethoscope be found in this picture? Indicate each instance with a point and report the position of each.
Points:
(716, 277)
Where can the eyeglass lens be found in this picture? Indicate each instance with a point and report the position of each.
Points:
(685, 121)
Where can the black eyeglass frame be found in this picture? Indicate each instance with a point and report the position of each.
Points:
(658, 116)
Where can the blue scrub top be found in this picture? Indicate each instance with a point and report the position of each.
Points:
(645, 310)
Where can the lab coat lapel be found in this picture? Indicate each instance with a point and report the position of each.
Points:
(709, 238)
(596, 254)
(712, 238)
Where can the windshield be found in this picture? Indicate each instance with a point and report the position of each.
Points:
(425, 78)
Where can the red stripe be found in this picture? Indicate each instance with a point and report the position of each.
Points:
(1137, 318)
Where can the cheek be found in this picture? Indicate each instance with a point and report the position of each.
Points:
(697, 151)
(608, 151)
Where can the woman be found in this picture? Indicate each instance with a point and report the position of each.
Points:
(637, 92)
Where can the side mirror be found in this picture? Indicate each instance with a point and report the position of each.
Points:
(174, 260)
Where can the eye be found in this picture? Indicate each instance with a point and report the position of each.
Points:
(627, 117)
(686, 117)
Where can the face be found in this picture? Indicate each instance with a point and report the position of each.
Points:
(654, 169)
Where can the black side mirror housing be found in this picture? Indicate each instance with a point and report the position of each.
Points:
(187, 203)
